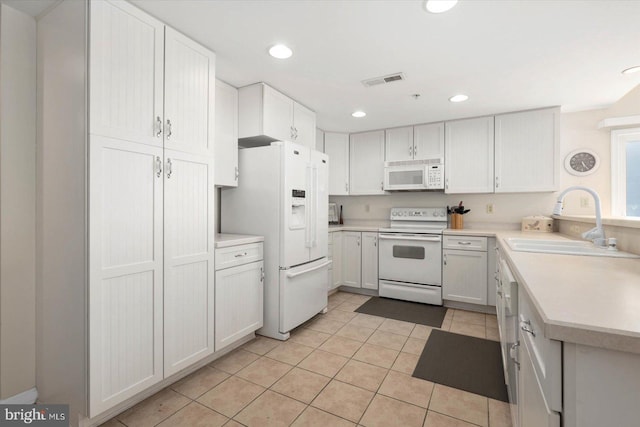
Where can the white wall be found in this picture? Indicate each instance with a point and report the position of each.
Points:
(17, 201)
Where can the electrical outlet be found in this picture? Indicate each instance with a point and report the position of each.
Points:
(490, 208)
(584, 202)
(367, 208)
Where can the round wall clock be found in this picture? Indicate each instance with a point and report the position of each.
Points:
(582, 162)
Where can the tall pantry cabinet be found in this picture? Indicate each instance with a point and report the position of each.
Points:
(126, 186)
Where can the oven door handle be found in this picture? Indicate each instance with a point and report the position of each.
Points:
(414, 238)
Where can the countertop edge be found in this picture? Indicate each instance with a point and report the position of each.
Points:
(224, 240)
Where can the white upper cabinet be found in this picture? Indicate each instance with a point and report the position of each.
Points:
(266, 115)
(428, 141)
(366, 163)
(527, 151)
(304, 126)
(189, 95)
(126, 101)
(319, 140)
(399, 144)
(469, 156)
(415, 142)
(226, 135)
(336, 146)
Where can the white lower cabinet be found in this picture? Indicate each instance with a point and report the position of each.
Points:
(464, 269)
(239, 294)
(336, 258)
(360, 259)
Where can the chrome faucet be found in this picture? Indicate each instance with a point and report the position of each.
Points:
(596, 234)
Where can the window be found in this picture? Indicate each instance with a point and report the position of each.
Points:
(625, 172)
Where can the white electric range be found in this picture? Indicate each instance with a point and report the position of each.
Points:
(410, 255)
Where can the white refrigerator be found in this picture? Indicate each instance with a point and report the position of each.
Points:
(282, 194)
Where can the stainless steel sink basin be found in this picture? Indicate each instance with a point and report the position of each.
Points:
(566, 247)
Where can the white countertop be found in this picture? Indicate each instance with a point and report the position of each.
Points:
(226, 240)
(582, 299)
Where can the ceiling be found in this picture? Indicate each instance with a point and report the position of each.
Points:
(506, 55)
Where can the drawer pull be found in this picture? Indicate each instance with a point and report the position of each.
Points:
(528, 328)
(240, 255)
(464, 243)
(513, 353)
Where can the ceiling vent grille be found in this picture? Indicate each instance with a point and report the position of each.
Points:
(384, 80)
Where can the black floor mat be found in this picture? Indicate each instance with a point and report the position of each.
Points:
(414, 312)
(463, 362)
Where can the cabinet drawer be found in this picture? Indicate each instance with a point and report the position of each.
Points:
(545, 353)
(465, 243)
(238, 255)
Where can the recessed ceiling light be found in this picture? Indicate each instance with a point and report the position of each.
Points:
(358, 114)
(631, 70)
(280, 51)
(458, 98)
(439, 6)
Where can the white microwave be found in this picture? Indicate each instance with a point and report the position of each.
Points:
(414, 175)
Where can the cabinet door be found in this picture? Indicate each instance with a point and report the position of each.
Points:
(319, 140)
(527, 151)
(226, 130)
(304, 126)
(469, 156)
(336, 146)
(464, 276)
(428, 141)
(189, 95)
(337, 259)
(239, 302)
(188, 261)
(399, 144)
(277, 114)
(125, 271)
(366, 163)
(126, 68)
(370, 260)
(532, 408)
(351, 251)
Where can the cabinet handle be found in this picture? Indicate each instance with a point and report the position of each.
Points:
(158, 166)
(375, 241)
(262, 274)
(444, 259)
(382, 186)
(237, 173)
(239, 255)
(465, 243)
(497, 182)
(513, 354)
(158, 127)
(169, 168)
(528, 328)
(358, 240)
(168, 129)
(446, 184)
(415, 151)
(346, 187)
(410, 151)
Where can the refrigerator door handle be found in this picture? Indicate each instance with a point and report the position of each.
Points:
(314, 208)
(317, 267)
(309, 207)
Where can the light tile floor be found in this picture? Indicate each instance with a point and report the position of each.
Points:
(339, 369)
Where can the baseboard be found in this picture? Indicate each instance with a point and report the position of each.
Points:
(28, 397)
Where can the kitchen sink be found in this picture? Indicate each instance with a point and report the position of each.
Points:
(566, 247)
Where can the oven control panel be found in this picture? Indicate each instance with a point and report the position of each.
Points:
(418, 214)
